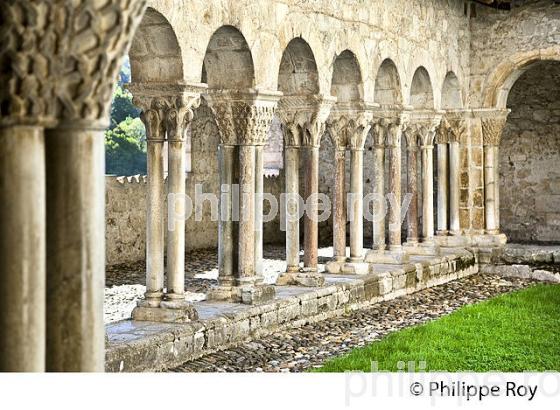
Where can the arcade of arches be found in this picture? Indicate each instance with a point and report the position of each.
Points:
(457, 120)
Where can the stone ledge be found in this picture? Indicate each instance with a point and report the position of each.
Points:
(149, 346)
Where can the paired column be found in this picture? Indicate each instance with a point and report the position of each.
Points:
(427, 148)
(492, 127)
(243, 120)
(167, 113)
(394, 134)
(303, 124)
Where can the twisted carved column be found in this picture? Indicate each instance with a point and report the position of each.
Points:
(492, 127)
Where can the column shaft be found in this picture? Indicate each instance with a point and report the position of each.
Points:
(227, 229)
(412, 187)
(176, 228)
(428, 193)
(292, 208)
(247, 212)
(496, 149)
(22, 249)
(395, 189)
(75, 249)
(357, 220)
(311, 229)
(259, 190)
(454, 187)
(490, 189)
(154, 223)
(379, 189)
(339, 215)
(442, 195)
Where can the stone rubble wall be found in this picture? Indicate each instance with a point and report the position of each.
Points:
(130, 350)
(530, 158)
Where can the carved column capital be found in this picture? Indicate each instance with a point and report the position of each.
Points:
(425, 124)
(304, 118)
(456, 126)
(166, 107)
(243, 117)
(49, 72)
(350, 125)
(493, 123)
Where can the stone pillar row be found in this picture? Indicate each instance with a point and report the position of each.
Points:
(167, 111)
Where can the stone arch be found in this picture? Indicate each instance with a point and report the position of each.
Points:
(421, 91)
(298, 74)
(388, 84)
(228, 62)
(347, 83)
(451, 93)
(155, 54)
(504, 76)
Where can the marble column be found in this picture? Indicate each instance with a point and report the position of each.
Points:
(492, 126)
(75, 158)
(454, 187)
(259, 191)
(443, 182)
(243, 119)
(379, 185)
(291, 166)
(177, 123)
(394, 188)
(357, 213)
(412, 185)
(227, 229)
(339, 205)
(22, 249)
(155, 132)
(311, 226)
(427, 149)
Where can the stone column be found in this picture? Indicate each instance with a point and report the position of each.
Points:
(155, 132)
(339, 206)
(259, 191)
(167, 108)
(227, 230)
(75, 159)
(357, 220)
(443, 181)
(177, 122)
(454, 187)
(394, 188)
(379, 184)
(427, 148)
(22, 248)
(291, 167)
(310, 224)
(492, 127)
(243, 119)
(412, 185)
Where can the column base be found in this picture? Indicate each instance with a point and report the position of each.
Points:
(489, 240)
(348, 267)
(388, 257)
(452, 241)
(176, 311)
(249, 294)
(310, 279)
(422, 248)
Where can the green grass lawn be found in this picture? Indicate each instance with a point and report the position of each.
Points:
(510, 333)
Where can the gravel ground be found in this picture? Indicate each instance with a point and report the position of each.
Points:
(298, 349)
(125, 283)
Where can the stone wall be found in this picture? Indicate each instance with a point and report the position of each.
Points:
(530, 157)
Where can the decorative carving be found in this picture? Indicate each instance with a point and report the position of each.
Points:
(411, 136)
(378, 133)
(425, 125)
(59, 59)
(350, 128)
(492, 128)
(304, 118)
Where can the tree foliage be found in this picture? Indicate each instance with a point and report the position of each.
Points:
(125, 148)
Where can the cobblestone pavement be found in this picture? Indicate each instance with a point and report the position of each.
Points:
(298, 349)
